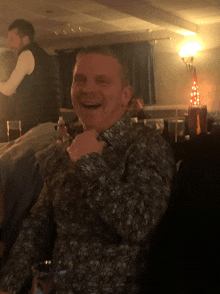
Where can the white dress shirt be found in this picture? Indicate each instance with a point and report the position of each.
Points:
(25, 66)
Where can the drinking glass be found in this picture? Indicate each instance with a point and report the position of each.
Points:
(176, 130)
(42, 278)
(13, 129)
(155, 123)
(197, 120)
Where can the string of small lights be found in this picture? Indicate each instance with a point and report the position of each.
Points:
(195, 98)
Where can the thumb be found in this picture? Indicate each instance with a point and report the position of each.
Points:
(94, 133)
(103, 144)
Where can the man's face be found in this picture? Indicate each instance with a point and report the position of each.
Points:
(97, 93)
(15, 43)
(136, 105)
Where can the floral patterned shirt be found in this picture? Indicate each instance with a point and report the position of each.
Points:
(103, 209)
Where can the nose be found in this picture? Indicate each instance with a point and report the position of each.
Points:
(89, 86)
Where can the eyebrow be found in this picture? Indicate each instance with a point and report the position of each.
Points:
(81, 75)
(78, 75)
(103, 77)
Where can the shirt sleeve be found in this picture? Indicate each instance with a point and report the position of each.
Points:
(25, 66)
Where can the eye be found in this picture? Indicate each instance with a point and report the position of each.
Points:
(79, 80)
(102, 81)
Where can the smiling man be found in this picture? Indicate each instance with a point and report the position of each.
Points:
(104, 193)
(99, 94)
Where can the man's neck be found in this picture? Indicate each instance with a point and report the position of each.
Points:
(24, 48)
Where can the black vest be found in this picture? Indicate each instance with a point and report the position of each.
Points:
(38, 92)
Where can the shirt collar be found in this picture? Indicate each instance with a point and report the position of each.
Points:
(117, 131)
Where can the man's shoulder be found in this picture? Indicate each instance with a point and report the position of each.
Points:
(150, 140)
(34, 49)
(26, 57)
(25, 54)
(141, 131)
(51, 157)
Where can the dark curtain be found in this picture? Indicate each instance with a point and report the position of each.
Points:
(139, 59)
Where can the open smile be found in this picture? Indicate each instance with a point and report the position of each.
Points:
(91, 105)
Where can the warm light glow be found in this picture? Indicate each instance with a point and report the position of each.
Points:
(186, 33)
(189, 49)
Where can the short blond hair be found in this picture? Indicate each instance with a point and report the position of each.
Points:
(105, 50)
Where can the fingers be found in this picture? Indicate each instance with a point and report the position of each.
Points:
(103, 144)
(94, 133)
(85, 143)
(89, 134)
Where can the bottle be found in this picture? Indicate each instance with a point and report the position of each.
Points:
(62, 130)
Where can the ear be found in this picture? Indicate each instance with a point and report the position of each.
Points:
(25, 40)
(72, 95)
(126, 96)
(71, 90)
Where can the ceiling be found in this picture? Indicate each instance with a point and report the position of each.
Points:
(68, 23)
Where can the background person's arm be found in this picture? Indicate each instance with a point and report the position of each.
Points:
(25, 66)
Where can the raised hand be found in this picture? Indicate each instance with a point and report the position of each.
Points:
(83, 144)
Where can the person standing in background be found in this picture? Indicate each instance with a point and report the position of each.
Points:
(33, 79)
(7, 104)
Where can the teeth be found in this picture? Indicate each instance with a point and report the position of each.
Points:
(91, 104)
